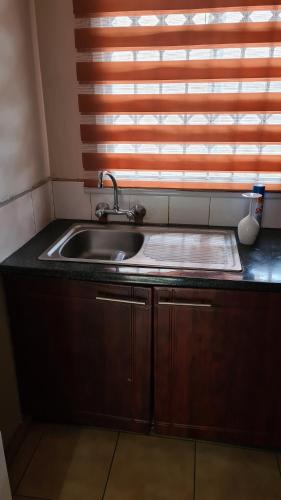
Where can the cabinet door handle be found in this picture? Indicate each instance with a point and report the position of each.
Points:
(186, 304)
(122, 301)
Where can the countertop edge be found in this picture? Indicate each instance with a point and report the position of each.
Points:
(261, 266)
(142, 280)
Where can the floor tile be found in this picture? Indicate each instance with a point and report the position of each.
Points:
(71, 463)
(29, 498)
(24, 455)
(151, 468)
(232, 473)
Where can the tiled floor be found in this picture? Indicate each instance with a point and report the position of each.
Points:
(74, 463)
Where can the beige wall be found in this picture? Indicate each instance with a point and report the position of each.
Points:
(22, 163)
(55, 23)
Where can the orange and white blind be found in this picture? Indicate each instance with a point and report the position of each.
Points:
(173, 93)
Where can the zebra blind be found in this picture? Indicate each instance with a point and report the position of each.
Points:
(179, 92)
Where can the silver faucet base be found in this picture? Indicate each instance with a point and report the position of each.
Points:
(135, 214)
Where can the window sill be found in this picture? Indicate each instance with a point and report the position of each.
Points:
(188, 186)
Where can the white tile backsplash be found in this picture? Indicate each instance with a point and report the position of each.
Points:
(227, 211)
(71, 201)
(189, 209)
(157, 208)
(174, 207)
(272, 213)
(43, 206)
(17, 225)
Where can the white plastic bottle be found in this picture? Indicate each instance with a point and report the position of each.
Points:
(248, 228)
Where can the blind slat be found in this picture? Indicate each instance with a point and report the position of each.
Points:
(201, 186)
(85, 8)
(181, 134)
(96, 162)
(211, 70)
(140, 37)
(92, 103)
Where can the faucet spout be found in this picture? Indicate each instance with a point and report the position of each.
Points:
(115, 187)
(100, 180)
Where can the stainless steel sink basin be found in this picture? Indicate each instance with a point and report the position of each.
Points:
(209, 249)
(94, 244)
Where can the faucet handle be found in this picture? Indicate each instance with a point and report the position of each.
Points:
(139, 213)
(100, 211)
(139, 210)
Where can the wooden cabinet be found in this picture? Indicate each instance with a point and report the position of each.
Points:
(217, 365)
(84, 354)
(83, 351)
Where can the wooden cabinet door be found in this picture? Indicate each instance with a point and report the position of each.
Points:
(4, 479)
(83, 351)
(217, 365)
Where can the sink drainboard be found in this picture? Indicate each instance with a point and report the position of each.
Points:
(205, 249)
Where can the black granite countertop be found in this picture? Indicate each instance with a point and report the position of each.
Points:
(261, 266)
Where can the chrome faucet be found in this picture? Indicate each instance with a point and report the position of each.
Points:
(135, 214)
(115, 187)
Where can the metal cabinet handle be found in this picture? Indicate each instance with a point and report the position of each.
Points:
(186, 304)
(122, 301)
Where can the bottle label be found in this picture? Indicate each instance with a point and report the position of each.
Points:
(259, 205)
(259, 209)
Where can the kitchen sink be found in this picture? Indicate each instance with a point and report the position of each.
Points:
(191, 248)
(94, 244)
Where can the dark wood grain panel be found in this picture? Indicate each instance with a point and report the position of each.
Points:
(217, 369)
(80, 359)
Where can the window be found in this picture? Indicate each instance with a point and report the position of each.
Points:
(181, 93)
